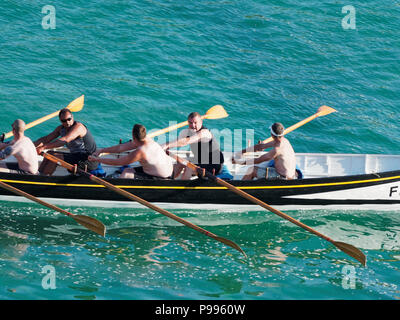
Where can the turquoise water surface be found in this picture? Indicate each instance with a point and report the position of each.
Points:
(154, 62)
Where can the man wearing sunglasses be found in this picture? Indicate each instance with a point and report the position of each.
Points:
(75, 136)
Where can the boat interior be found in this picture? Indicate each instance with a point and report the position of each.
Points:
(312, 165)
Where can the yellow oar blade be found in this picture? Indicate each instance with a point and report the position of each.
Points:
(324, 110)
(216, 112)
(77, 104)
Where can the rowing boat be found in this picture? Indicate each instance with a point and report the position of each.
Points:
(345, 181)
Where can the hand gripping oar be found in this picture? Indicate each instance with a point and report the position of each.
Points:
(74, 106)
(347, 248)
(143, 202)
(216, 112)
(88, 222)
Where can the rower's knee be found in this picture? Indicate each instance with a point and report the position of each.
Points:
(128, 173)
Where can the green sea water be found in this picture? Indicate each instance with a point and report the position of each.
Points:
(153, 62)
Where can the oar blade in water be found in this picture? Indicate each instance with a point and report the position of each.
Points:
(351, 251)
(91, 223)
(230, 244)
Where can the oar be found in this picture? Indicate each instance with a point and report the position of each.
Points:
(143, 202)
(322, 111)
(88, 222)
(347, 248)
(74, 106)
(215, 112)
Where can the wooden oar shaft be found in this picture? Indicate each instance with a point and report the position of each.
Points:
(324, 110)
(266, 206)
(215, 112)
(143, 202)
(33, 198)
(165, 130)
(348, 249)
(77, 103)
(88, 222)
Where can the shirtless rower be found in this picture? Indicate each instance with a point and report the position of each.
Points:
(155, 163)
(22, 148)
(282, 153)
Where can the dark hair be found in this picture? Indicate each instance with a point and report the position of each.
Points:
(193, 115)
(139, 132)
(64, 111)
(278, 128)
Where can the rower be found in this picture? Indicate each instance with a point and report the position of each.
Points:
(75, 136)
(22, 148)
(204, 146)
(155, 163)
(282, 154)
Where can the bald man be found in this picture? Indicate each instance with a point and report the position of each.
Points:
(22, 148)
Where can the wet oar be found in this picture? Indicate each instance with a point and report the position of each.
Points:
(74, 106)
(143, 202)
(216, 112)
(347, 248)
(88, 222)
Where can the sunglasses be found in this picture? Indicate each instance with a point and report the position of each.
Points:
(65, 120)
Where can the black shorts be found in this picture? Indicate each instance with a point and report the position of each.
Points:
(81, 159)
(140, 174)
(14, 166)
(211, 167)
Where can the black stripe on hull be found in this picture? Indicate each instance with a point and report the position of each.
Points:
(273, 192)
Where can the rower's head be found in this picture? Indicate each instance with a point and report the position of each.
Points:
(139, 132)
(195, 121)
(277, 130)
(18, 127)
(66, 117)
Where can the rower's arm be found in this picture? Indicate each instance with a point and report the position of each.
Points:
(50, 137)
(265, 157)
(125, 160)
(130, 145)
(183, 141)
(258, 147)
(78, 131)
(8, 151)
